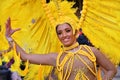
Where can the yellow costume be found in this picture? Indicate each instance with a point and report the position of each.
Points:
(85, 59)
(100, 21)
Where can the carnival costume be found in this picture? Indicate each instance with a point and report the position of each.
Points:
(100, 22)
(86, 58)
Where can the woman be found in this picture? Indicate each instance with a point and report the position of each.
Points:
(75, 62)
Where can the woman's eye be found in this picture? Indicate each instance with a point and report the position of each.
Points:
(59, 33)
(68, 30)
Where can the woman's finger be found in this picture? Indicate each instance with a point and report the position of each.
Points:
(7, 28)
(7, 25)
(17, 29)
(9, 22)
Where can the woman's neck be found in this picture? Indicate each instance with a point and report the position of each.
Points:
(74, 47)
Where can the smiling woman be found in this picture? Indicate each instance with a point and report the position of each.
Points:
(65, 34)
(75, 62)
(38, 19)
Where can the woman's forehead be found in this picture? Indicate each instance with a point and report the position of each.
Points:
(62, 26)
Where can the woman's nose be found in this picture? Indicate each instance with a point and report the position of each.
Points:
(64, 34)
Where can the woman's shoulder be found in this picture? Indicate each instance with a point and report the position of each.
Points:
(89, 47)
(92, 49)
(96, 51)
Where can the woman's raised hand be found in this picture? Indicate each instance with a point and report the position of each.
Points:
(9, 31)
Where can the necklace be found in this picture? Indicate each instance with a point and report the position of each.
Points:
(72, 46)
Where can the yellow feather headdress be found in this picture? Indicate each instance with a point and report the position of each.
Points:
(61, 12)
(100, 22)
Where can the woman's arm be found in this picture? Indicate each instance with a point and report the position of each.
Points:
(45, 59)
(106, 64)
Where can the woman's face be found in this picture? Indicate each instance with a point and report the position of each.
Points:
(65, 34)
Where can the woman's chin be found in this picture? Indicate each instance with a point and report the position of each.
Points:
(67, 44)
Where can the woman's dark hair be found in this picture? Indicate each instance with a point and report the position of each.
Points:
(82, 39)
(47, 1)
